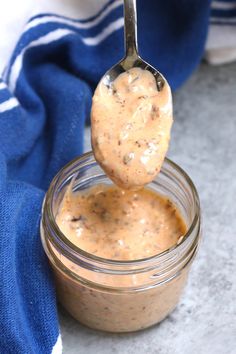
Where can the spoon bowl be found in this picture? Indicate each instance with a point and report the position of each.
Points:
(132, 58)
(131, 115)
(125, 65)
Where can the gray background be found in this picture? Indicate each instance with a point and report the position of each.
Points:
(204, 144)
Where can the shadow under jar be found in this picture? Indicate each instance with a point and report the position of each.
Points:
(119, 296)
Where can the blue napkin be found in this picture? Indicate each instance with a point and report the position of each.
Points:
(45, 99)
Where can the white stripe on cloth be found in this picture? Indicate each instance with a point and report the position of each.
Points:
(224, 20)
(57, 349)
(220, 56)
(83, 25)
(57, 34)
(221, 5)
(221, 44)
(221, 37)
(2, 85)
(17, 65)
(9, 104)
(112, 27)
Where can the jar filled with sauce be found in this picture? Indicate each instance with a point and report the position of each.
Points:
(112, 294)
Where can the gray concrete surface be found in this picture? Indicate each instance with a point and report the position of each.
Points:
(204, 144)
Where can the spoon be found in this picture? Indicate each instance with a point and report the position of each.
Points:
(131, 128)
(132, 58)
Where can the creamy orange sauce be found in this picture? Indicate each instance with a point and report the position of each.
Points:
(120, 225)
(131, 122)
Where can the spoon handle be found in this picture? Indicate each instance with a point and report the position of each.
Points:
(130, 15)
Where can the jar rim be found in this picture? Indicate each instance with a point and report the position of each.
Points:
(77, 251)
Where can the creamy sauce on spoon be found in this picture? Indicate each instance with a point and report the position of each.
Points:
(131, 122)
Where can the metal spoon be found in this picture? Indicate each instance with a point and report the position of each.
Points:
(128, 165)
(132, 58)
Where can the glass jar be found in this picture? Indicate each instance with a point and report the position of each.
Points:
(119, 296)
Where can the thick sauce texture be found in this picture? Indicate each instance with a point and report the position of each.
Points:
(118, 224)
(131, 122)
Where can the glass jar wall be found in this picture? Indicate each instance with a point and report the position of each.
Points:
(119, 296)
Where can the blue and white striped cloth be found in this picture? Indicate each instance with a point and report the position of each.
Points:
(221, 43)
(45, 98)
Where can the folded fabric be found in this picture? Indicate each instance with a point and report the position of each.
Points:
(45, 99)
(221, 42)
